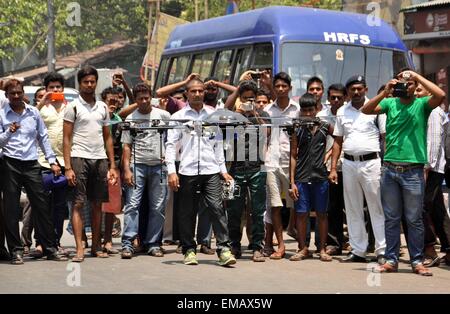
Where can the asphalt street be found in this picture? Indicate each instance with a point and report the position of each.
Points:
(168, 274)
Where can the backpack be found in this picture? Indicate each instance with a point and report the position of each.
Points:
(447, 153)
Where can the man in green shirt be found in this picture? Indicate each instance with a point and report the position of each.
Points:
(402, 180)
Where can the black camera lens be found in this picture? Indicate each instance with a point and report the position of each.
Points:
(400, 90)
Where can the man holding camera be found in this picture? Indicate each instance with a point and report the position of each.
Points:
(402, 180)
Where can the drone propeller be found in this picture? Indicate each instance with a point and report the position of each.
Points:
(226, 117)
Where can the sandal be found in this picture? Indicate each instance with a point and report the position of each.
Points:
(422, 270)
(267, 251)
(385, 268)
(300, 255)
(431, 261)
(324, 257)
(277, 255)
(99, 254)
(156, 252)
(110, 249)
(333, 250)
(77, 259)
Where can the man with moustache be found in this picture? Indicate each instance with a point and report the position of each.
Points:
(199, 174)
(358, 134)
(21, 130)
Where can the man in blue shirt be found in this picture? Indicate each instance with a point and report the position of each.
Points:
(21, 129)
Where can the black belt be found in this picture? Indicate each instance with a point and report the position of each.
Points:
(361, 157)
(401, 168)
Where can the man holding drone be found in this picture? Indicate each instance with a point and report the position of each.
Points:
(143, 166)
(202, 163)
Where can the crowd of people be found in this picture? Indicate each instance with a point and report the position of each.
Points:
(376, 164)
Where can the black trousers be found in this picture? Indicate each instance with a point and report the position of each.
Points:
(20, 173)
(336, 213)
(210, 189)
(2, 219)
(436, 220)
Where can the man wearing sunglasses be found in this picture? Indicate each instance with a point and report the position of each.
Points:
(336, 95)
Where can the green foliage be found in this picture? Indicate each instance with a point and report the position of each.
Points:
(102, 21)
(218, 7)
(23, 23)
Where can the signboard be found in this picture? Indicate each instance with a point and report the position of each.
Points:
(166, 24)
(427, 24)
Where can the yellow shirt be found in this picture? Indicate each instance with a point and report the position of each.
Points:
(54, 123)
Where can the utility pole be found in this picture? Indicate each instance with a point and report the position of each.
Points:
(149, 37)
(51, 59)
(196, 10)
(206, 9)
(155, 41)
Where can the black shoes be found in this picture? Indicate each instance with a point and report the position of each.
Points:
(236, 252)
(17, 258)
(381, 260)
(206, 250)
(352, 258)
(57, 257)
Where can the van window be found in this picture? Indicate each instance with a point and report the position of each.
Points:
(262, 57)
(242, 63)
(178, 69)
(203, 64)
(162, 70)
(223, 66)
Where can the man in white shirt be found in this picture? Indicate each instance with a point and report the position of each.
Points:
(358, 135)
(87, 148)
(277, 161)
(199, 174)
(435, 217)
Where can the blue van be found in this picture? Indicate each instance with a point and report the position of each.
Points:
(303, 42)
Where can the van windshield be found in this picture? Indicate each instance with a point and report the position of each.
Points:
(335, 63)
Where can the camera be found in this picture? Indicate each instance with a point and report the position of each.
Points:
(230, 190)
(400, 90)
(256, 75)
(247, 106)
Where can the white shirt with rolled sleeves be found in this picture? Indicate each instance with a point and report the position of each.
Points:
(212, 158)
(361, 132)
(278, 152)
(88, 126)
(436, 139)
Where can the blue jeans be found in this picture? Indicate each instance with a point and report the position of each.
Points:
(150, 177)
(403, 192)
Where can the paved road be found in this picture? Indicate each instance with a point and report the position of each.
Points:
(145, 274)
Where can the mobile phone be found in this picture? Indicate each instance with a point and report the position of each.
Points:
(57, 97)
(155, 102)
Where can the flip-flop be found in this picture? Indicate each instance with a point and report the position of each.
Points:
(99, 254)
(77, 259)
(299, 256)
(277, 255)
(432, 261)
(324, 257)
